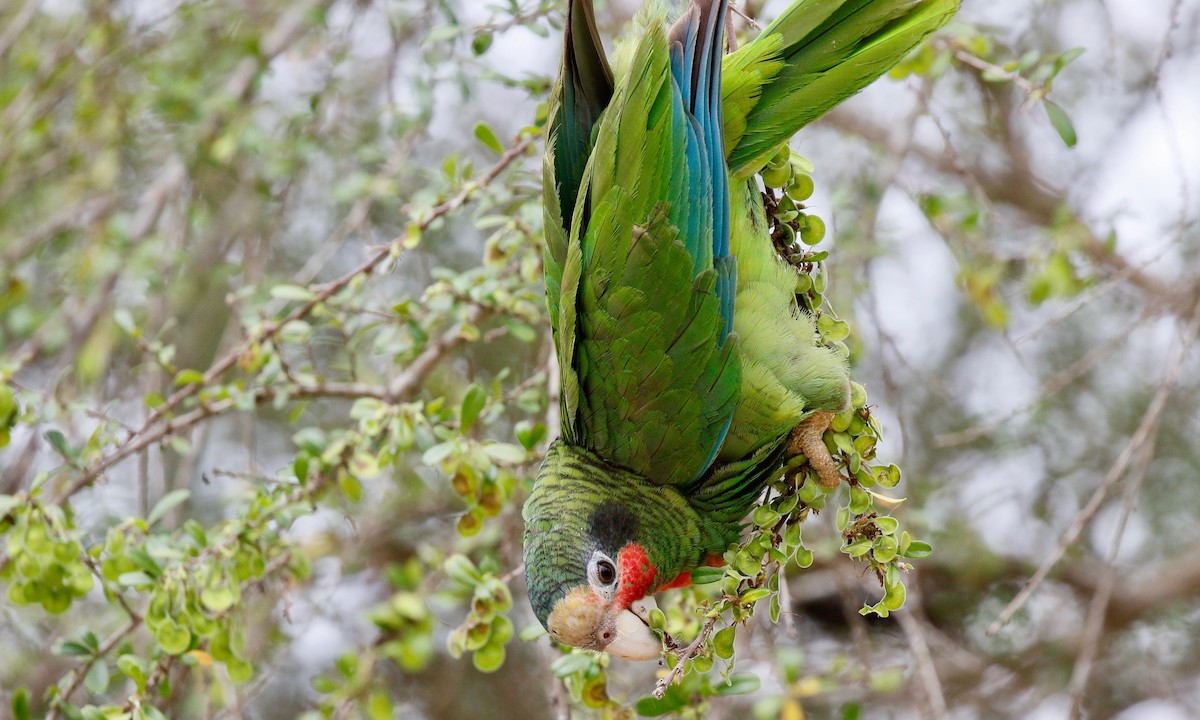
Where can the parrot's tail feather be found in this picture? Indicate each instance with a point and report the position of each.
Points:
(830, 49)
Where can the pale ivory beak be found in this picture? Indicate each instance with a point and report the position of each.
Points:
(635, 640)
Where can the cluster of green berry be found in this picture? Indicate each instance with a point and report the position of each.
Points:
(787, 179)
(405, 619)
(585, 674)
(753, 569)
(44, 566)
(487, 628)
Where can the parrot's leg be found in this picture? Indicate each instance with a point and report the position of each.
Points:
(806, 439)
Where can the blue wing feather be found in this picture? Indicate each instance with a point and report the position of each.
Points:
(697, 49)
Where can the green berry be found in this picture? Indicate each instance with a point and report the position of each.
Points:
(801, 187)
(777, 177)
(812, 231)
(782, 157)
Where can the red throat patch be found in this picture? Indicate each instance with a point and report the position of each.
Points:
(637, 575)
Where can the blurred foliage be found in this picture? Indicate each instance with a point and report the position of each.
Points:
(275, 378)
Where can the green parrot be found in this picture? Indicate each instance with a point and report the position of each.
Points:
(688, 369)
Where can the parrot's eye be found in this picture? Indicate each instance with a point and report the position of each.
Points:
(602, 573)
(605, 572)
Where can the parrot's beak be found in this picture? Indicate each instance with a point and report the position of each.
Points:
(635, 640)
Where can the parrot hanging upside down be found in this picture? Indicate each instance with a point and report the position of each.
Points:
(686, 361)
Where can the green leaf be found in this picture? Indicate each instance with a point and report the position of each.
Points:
(20, 704)
(740, 684)
(671, 701)
(887, 525)
(379, 706)
(765, 516)
(1064, 60)
(8, 405)
(239, 670)
(723, 642)
(164, 506)
(350, 487)
(705, 575)
(96, 680)
(529, 433)
(843, 518)
(188, 377)
(364, 466)
(858, 548)
(472, 405)
(480, 45)
(860, 501)
(519, 330)
(887, 476)
(439, 452)
(72, 647)
(462, 571)
(506, 453)
(134, 668)
(532, 632)
(489, 658)
(58, 441)
(7, 502)
(311, 439)
(885, 549)
(142, 559)
(292, 292)
(1061, 122)
(804, 557)
(485, 135)
(174, 638)
(917, 549)
(753, 595)
(571, 664)
(894, 599)
(135, 579)
(217, 595)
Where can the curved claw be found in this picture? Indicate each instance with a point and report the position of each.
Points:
(806, 439)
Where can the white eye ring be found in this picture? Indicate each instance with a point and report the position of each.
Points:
(602, 574)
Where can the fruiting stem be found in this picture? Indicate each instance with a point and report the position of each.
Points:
(691, 651)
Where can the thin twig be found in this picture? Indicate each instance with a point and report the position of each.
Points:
(76, 675)
(742, 14)
(17, 26)
(912, 622)
(689, 652)
(158, 426)
(1032, 90)
(1093, 629)
(416, 372)
(1085, 298)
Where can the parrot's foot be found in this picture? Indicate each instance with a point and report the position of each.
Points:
(806, 438)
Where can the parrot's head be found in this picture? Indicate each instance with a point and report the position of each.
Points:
(589, 576)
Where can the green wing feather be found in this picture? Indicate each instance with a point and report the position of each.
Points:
(638, 284)
(648, 380)
(582, 92)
